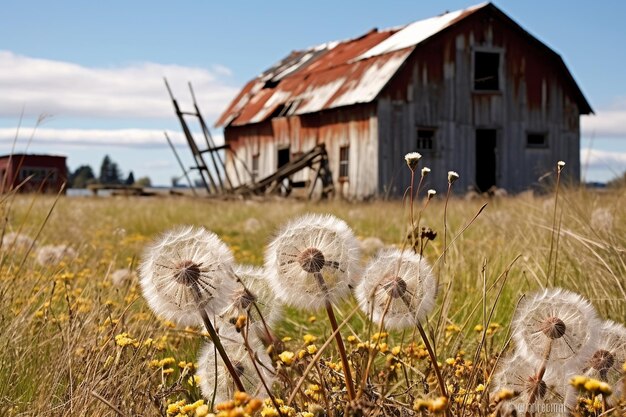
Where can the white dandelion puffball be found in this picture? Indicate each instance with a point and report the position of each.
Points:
(307, 247)
(185, 269)
(256, 290)
(121, 277)
(214, 377)
(16, 241)
(412, 159)
(558, 321)
(50, 255)
(606, 362)
(400, 286)
(516, 374)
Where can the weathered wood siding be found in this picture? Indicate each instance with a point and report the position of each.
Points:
(434, 89)
(354, 126)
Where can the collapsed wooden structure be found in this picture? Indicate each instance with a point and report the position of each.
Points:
(216, 179)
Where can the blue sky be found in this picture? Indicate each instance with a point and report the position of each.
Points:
(94, 69)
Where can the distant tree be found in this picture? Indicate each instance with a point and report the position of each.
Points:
(144, 182)
(130, 180)
(82, 176)
(109, 171)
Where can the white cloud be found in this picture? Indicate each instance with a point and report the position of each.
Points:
(607, 122)
(600, 159)
(159, 164)
(104, 137)
(133, 91)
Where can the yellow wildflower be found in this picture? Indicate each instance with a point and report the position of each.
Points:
(309, 338)
(504, 394)
(379, 335)
(578, 381)
(124, 339)
(438, 405)
(421, 404)
(253, 405)
(269, 412)
(202, 411)
(287, 357)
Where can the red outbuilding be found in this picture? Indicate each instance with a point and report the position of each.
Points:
(32, 173)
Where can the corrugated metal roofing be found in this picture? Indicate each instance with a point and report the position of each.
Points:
(321, 77)
(335, 74)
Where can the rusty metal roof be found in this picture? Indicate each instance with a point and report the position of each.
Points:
(334, 74)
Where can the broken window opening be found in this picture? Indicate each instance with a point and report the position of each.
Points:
(344, 160)
(486, 71)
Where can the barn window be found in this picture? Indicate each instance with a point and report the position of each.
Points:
(536, 140)
(425, 139)
(344, 159)
(255, 167)
(38, 174)
(486, 71)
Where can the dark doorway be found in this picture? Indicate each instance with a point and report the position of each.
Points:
(485, 158)
(283, 157)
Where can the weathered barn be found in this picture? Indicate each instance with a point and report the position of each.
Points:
(32, 173)
(471, 90)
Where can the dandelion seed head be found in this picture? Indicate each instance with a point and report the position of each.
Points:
(16, 241)
(402, 283)
(605, 364)
(310, 245)
(412, 159)
(121, 277)
(517, 374)
(560, 164)
(185, 269)
(214, 377)
(558, 319)
(452, 177)
(255, 289)
(50, 255)
(553, 327)
(425, 171)
(431, 193)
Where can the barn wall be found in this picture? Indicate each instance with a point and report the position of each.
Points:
(434, 89)
(33, 173)
(354, 126)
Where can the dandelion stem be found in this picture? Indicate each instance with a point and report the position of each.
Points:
(445, 223)
(342, 352)
(218, 345)
(535, 392)
(338, 339)
(253, 358)
(411, 207)
(556, 200)
(372, 351)
(433, 358)
(318, 355)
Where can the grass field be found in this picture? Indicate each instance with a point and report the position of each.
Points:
(73, 342)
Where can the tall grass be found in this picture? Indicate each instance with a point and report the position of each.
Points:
(71, 343)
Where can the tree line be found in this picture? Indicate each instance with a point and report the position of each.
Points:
(110, 174)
